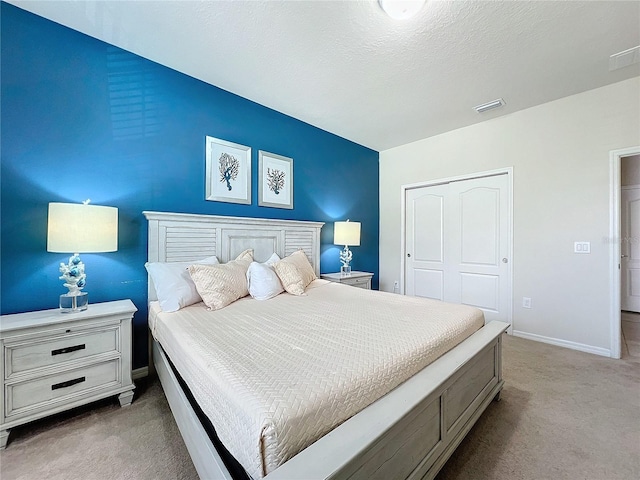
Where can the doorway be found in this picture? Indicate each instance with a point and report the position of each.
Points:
(457, 241)
(630, 255)
(625, 250)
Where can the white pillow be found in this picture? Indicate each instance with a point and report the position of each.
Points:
(263, 280)
(220, 285)
(295, 272)
(173, 284)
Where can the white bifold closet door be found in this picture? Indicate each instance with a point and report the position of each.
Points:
(457, 244)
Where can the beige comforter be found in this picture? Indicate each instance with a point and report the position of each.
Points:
(274, 376)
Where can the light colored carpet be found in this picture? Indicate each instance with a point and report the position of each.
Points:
(101, 441)
(563, 415)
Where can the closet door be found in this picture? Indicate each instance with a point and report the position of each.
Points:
(478, 237)
(457, 244)
(425, 242)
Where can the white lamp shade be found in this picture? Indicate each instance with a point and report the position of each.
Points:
(346, 233)
(80, 228)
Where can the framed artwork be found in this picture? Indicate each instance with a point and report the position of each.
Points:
(275, 187)
(228, 171)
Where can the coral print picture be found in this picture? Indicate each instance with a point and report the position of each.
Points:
(229, 168)
(276, 180)
(228, 171)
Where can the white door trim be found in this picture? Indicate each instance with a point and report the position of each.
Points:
(489, 173)
(615, 187)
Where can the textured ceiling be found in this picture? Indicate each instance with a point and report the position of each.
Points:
(346, 67)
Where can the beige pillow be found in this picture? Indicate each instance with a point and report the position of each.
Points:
(220, 285)
(295, 272)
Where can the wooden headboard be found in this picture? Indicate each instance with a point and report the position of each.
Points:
(182, 237)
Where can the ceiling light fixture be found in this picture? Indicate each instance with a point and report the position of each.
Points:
(401, 9)
(489, 105)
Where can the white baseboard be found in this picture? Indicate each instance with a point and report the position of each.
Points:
(604, 352)
(139, 373)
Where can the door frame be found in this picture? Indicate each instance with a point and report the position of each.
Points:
(615, 288)
(470, 176)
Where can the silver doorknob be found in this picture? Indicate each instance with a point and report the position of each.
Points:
(624, 256)
(505, 260)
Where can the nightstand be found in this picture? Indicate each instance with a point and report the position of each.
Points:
(53, 361)
(356, 279)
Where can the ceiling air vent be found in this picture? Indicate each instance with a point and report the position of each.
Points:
(489, 105)
(624, 59)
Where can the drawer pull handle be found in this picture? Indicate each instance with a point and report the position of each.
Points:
(68, 349)
(68, 383)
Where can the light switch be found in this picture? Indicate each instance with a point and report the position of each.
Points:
(582, 247)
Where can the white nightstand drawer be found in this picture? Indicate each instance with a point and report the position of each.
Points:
(42, 392)
(356, 279)
(25, 356)
(358, 282)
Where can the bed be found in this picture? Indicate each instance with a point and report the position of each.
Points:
(409, 432)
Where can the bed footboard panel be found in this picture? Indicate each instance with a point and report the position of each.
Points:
(412, 431)
(463, 401)
(418, 445)
(397, 453)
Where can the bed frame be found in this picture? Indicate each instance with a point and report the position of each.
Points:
(409, 433)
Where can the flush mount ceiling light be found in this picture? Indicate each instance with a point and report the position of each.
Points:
(489, 105)
(401, 9)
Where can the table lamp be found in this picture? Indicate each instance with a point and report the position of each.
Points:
(79, 228)
(347, 234)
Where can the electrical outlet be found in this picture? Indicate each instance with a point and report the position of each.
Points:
(526, 302)
(396, 286)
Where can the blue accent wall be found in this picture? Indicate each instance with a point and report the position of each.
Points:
(83, 119)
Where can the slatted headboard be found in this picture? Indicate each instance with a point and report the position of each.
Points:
(182, 237)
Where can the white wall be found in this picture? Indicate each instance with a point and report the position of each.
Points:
(560, 157)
